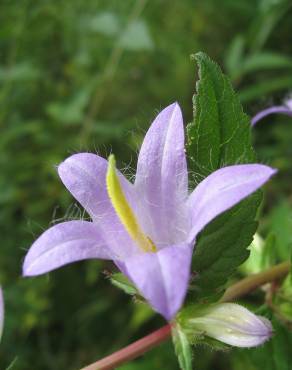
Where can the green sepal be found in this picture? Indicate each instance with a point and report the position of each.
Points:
(182, 347)
(122, 282)
(193, 335)
(213, 344)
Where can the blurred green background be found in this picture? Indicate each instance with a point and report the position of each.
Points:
(90, 76)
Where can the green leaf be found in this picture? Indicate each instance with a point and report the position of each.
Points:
(219, 136)
(266, 21)
(266, 87)
(182, 348)
(266, 60)
(280, 223)
(120, 281)
(262, 255)
(234, 56)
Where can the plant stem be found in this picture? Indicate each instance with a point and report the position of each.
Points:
(152, 340)
(133, 350)
(252, 282)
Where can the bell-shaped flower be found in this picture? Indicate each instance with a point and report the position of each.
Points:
(285, 109)
(149, 227)
(229, 323)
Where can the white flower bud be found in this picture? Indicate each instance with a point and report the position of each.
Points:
(232, 324)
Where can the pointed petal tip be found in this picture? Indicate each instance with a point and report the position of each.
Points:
(266, 171)
(174, 107)
(222, 190)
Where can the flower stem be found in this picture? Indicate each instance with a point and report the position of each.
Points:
(252, 282)
(152, 340)
(133, 350)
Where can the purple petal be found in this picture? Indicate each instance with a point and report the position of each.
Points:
(1, 312)
(84, 175)
(162, 277)
(222, 190)
(282, 109)
(65, 243)
(161, 177)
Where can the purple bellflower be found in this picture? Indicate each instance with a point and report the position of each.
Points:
(286, 109)
(149, 227)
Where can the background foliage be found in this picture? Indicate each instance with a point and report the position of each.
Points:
(90, 75)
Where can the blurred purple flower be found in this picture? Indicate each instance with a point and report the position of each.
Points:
(286, 109)
(147, 228)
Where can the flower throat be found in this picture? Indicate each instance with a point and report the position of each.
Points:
(123, 209)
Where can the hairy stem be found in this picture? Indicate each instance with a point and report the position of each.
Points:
(133, 350)
(152, 340)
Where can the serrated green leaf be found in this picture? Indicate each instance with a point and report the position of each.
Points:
(182, 348)
(219, 136)
(120, 281)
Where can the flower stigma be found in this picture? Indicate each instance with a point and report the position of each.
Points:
(123, 209)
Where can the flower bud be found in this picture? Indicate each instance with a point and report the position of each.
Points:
(229, 323)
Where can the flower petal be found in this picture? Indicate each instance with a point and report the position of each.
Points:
(161, 177)
(84, 175)
(65, 243)
(281, 109)
(1, 312)
(223, 189)
(162, 277)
